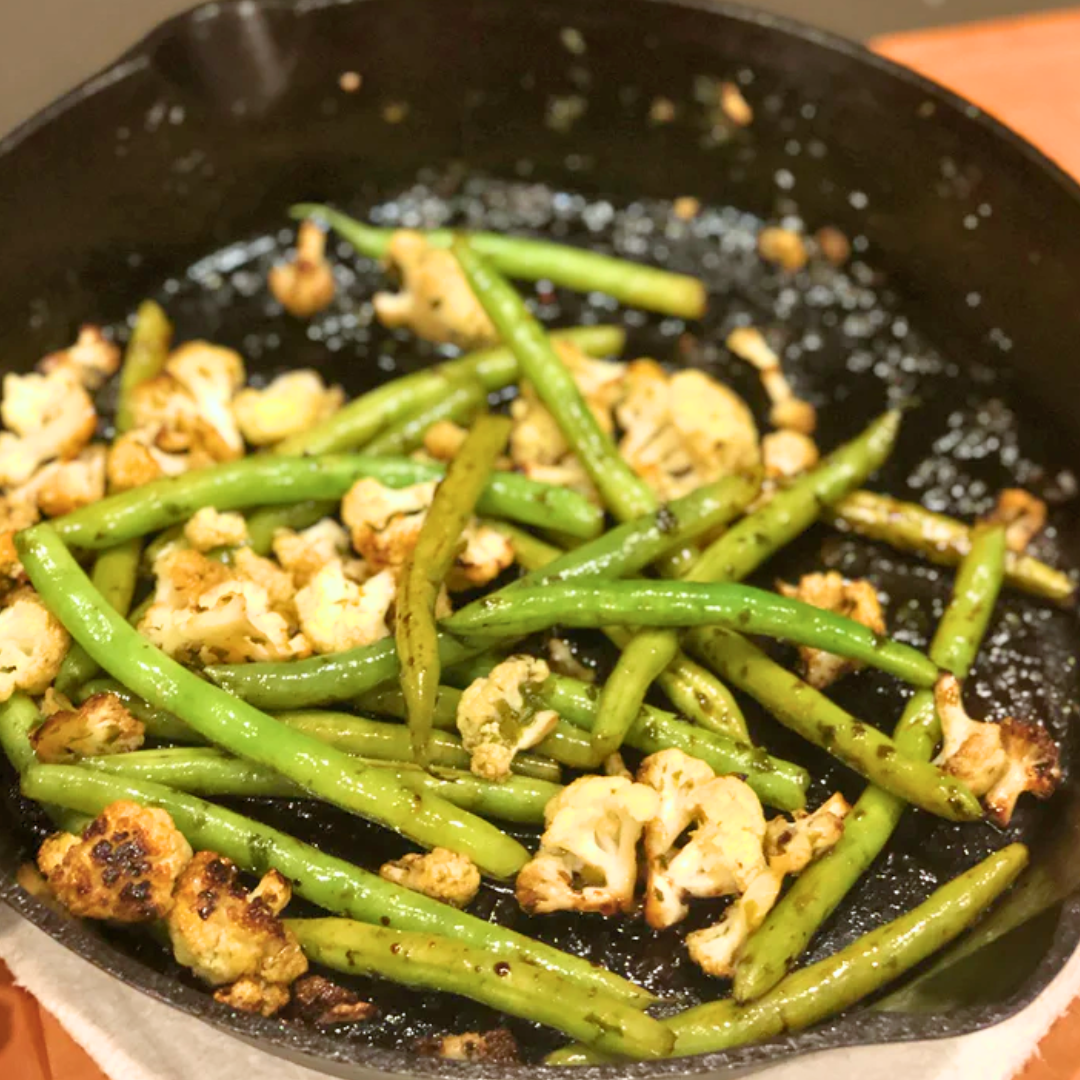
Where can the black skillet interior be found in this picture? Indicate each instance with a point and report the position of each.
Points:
(582, 120)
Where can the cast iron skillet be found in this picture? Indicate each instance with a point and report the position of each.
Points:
(167, 175)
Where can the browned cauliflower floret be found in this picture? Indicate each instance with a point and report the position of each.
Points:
(788, 411)
(33, 644)
(101, 725)
(207, 529)
(292, 403)
(684, 429)
(498, 715)
(498, 1046)
(588, 854)
(134, 460)
(319, 1001)
(485, 553)
(443, 440)
(783, 247)
(47, 416)
(90, 361)
(304, 554)
(183, 575)
(999, 762)
(440, 873)
(306, 285)
(787, 454)
(123, 867)
(66, 486)
(272, 579)
(254, 995)
(336, 613)
(18, 511)
(856, 600)
(435, 300)
(226, 934)
(1022, 514)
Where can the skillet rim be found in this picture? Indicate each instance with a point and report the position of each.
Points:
(313, 1048)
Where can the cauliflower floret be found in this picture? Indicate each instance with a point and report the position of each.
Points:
(66, 486)
(207, 529)
(676, 777)
(183, 575)
(385, 522)
(444, 439)
(18, 511)
(497, 715)
(122, 868)
(856, 600)
(254, 995)
(337, 614)
(791, 846)
(787, 454)
(320, 1001)
(90, 361)
(999, 762)
(435, 300)
(33, 645)
(134, 460)
(304, 554)
(485, 554)
(441, 874)
(1022, 514)
(783, 247)
(292, 403)
(788, 411)
(588, 854)
(225, 933)
(277, 583)
(49, 416)
(564, 661)
(306, 285)
(614, 765)
(498, 1046)
(101, 725)
(683, 430)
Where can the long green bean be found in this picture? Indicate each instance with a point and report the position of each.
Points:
(266, 479)
(363, 418)
(18, 718)
(243, 730)
(630, 283)
(623, 491)
(426, 568)
(461, 405)
(940, 539)
(145, 356)
(780, 940)
(700, 696)
(330, 883)
(839, 981)
(438, 963)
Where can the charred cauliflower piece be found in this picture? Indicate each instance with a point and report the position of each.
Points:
(588, 854)
(304, 554)
(791, 846)
(320, 1001)
(123, 867)
(101, 725)
(684, 429)
(33, 645)
(229, 936)
(1022, 514)
(497, 716)
(435, 300)
(65, 486)
(856, 600)
(444, 439)
(207, 529)
(292, 403)
(134, 459)
(498, 1046)
(90, 361)
(787, 454)
(441, 874)
(306, 285)
(484, 555)
(788, 411)
(999, 762)
(385, 522)
(336, 613)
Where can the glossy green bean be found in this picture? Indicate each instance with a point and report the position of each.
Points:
(265, 479)
(623, 491)
(145, 356)
(788, 928)
(263, 523)
(699, 696)
(362, 419)
(18, 718)
(461, 404)
(328, 882)
(426, 568)
(628, 282)
(910, 527)
(243, 730)
(430, 962)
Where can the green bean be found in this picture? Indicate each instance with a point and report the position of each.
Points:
(427, 566)
(686, 604)
(430, 962)
(363, 418)
(630, 283)
(262, 524)
(839, 981)
(18, 718)
(243, 730)
(390, 701)
(330, 883)
(623, 491)
(266, 479)
(461, 405)
(809, 713)
(703, 698)
(115, 572)
(940, 539)
(342, 676)
(213, 774)
(774, 781)
(145, 356)
(780, 940)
